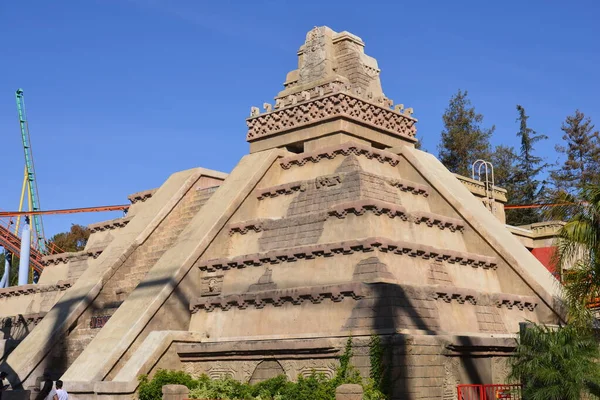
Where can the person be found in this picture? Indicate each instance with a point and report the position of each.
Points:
(60, 392)
(47, 392)
(5, 385)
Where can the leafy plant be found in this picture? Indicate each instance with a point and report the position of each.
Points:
(314, 387)
(556, 363)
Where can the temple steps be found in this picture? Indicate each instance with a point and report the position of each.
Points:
(131, 273)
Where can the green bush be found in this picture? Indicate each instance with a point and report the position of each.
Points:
(313, 387)
(152, 390)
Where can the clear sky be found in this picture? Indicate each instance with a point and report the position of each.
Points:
(122, 93)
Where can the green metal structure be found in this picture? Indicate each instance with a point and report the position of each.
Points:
(38, 227)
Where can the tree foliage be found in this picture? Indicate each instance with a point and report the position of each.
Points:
(556, 363)
(526, 187)
(71, 241)
(582, 152)
(463, 139)
(578, 245)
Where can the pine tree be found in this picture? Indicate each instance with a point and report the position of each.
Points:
(527, 189)
(582, 151)
(463, 139)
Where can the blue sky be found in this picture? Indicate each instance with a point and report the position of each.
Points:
(122, 93)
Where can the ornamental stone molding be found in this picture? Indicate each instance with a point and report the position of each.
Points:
(142, 196)
(64, 258)
(338, 102)
(279, 297)
(349, 247)
(25, 290)
(343, 150)
(109, 225)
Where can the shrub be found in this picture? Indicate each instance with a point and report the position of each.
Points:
(314, 387)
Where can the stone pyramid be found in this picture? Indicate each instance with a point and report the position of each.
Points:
(333, 226)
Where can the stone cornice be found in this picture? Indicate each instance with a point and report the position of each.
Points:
(285, 189)
(408, 186)
(331, 101)
(441, 221)
(511, 301)
(333, 180)
(64, 258)
(358, 290)
(344, 150)
(349, 247)
(25, 290)
(474, 297)
(141, 196)
(278, 297)
(109, 225)
(358, 208)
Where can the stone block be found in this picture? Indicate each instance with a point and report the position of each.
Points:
(175, 392)
(349, 392)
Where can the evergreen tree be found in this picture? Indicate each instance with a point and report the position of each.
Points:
(582, 151)
(463, 139)
(527, 188)
(505, 159)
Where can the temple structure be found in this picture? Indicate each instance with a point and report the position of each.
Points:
(333, 226)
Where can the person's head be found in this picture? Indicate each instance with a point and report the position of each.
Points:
(59, 384)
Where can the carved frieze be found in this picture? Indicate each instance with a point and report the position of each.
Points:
(343, 104)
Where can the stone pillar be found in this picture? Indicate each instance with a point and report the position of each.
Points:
(348, 392)
(175, 392)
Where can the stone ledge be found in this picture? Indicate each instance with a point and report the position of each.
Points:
(141, 196)
(343, 150)
(334, 179)
(24, 290)
(356, 207)
(109, 225)
(64, 258)
(409, 186)
(315, 347)
(441, 221)
(377, 207)
(296, 296)
(285, 189)
(512, 300)
(349, 247)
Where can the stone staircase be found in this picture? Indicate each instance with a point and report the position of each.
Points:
(129, 275)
